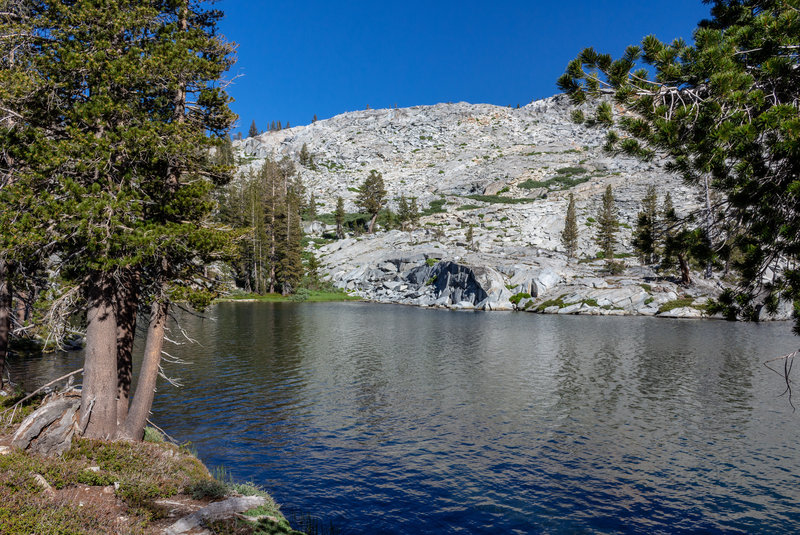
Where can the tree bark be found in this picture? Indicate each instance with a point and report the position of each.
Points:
(127, 305)
(372, 222)
(98, 417)
(133, 428)
(5, 316)
(686, 274)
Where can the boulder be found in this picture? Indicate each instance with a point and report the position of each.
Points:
(49, 429)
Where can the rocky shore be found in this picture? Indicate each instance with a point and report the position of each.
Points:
(502, 177)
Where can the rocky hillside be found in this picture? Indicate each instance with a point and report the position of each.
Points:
(505, 172)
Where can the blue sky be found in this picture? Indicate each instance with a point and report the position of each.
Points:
(300, 58)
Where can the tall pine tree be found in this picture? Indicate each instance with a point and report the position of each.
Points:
(569, 236)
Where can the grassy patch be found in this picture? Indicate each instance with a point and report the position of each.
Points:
(435, 207)
(311, 296)
(499, 199)
(558, 302)
(679, 303)
(646, 287)
(516, 298)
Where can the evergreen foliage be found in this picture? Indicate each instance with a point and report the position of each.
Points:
(404, 212)
(253, 132)
(607, 226)
(115, 165)
(372, 196)
(413, 213)
(569, 236)
(645, 235)
(305, 156)
(339, 215)
(725, 112)
(265, 209)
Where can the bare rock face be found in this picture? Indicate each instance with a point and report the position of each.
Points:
(49, 429)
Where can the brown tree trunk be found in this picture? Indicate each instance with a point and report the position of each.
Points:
(22, 308)
(372, 222)
(686, 275)
(5, 316)
(98, 417)
(127, 304)
(133, 428)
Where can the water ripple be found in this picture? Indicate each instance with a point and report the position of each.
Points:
(399, 420)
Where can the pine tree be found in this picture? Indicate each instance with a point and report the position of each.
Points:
(723, 110)
(470, 237)
(253, 132)
(607, 226)
(121, 170)
(311, 211)
(287, 125)
(413, 213)
(278, 126)
(403, 212)
(339, 217)
(645, 237)
(314, 119)
(305, 156)
(371, 197)
(569, 236)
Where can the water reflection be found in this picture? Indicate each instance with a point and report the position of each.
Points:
(401, 420)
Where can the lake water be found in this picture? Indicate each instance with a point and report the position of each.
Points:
(390, 419)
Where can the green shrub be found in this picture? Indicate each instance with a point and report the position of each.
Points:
(151, 434)
(559, 302)
(431, 261)
(95, 479)
(677, 303)
(499, 199)
(516, 298)
(207, 488)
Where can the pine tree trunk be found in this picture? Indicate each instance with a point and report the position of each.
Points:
(686, 275)
(127, 303)
(133, 428)
(5, 317)
(372, 222)
(22, 308)
(98, 417)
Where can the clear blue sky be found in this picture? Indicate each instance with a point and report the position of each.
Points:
(325, 57)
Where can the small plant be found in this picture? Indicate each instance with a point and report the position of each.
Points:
(559, 302)
(431, 261)
(95, 479)
(516, 298)
(207, 488)
(151, 434)
(678, 303)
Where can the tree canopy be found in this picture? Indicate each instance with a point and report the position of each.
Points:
(725, 113)
(113, 166)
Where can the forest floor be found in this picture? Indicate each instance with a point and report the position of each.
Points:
(99, 487)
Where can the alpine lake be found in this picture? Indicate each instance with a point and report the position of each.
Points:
(399, 420)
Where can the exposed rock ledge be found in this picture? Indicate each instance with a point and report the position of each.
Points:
(410, 268)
